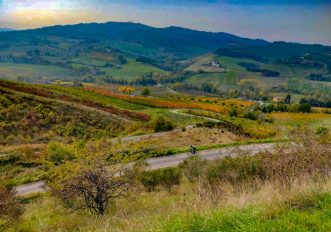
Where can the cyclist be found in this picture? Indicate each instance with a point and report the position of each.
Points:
(193, 150)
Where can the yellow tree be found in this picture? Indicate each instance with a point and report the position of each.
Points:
(126, 89)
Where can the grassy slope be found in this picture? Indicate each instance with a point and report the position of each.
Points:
(26, 116)
(131, 70)
(36, 72)
(298, 209)
(286, 72)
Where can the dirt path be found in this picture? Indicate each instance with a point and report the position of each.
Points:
(196, 116)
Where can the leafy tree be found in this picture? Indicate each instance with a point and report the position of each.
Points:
(287, 99)
(126, 89)
(208, 87)
(146, 92)
(305, 108)
(161, 124)
(58, 153)
(233, 112)
(249, 88)
(122, 60)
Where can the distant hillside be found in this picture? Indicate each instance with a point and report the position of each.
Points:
(275, 51)
(133, 53)
(6, 29)
(133, 38)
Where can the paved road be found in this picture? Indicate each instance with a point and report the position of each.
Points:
(174, 160)
(29, 188)
(169, 161)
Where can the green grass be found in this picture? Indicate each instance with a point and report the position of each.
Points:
(160, 211)
(36, 72)
(286, 72)
(131, 70)
(255, 218)
(215, 78)
(89, 61)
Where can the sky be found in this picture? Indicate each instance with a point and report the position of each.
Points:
(305, 21)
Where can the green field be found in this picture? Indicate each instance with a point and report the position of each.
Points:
(35, 72)
(132, 70)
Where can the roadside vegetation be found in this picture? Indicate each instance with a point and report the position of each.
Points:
(269, 191)
(84, 109)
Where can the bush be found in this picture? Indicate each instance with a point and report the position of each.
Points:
(322, 131)
(252, 115)
(294, 108)
(305, 108)
(161, 124)
(10, 207)
(150, 179)
(193, 168)
(170, 177)
(167, 177)
(235, 170)
(92, 187)
(233, 112)
(306, 157)
(146, 92)
(57, 152)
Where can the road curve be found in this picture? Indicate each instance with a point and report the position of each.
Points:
(168, 161)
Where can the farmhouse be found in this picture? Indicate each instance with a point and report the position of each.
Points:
(278, 99)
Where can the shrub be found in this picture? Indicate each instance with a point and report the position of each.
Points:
(307, 157)
(305, 108)
(161, 124)
(146, 92)
(167, 177)
(193, 168)
(170, 177)
(150, 179)
(252, 115)
(10, 207)
(294, 108)
(322, 131)
(57, 152)
(235, 170)
(233, 112)
(93, 187)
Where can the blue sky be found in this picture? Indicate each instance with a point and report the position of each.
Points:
(306, 21)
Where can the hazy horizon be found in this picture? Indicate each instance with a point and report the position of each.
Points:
(291, 21)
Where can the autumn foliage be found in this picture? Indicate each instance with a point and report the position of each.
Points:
(48, 94)
(163, 103)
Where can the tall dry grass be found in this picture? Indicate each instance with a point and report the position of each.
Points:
(293, 176)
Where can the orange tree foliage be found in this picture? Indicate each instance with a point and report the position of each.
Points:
(126, 89)
(168, 103)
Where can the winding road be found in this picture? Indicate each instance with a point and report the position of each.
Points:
(168, 161)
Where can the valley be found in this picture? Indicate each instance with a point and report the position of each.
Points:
(138, 128)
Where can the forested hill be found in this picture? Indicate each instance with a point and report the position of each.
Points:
(134, 38)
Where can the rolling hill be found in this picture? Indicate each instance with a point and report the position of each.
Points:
(134, 38)
(133, 53)
(6, 29)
